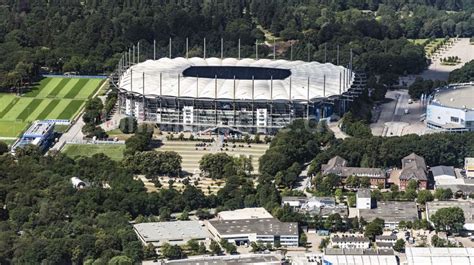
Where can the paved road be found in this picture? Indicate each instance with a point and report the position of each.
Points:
(393, 121)
(305, 181)
(74, 133)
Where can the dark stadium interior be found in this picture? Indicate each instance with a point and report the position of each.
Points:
(239, 72)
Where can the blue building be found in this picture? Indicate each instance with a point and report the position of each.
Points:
(39, 134)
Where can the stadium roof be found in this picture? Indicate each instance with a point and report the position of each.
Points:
(193, 87)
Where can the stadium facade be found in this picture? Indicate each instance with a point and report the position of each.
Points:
(451, 109)
(246, 95)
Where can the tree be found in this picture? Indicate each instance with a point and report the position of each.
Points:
(193, 246)
(443, 194)
(303, 240)
(424, 196)
(215, 248)
(399, 246)
(228, 247)
(3, 148)
(365, 182)
(412, 184)
(374, 228)
(128, 125)
(449, 219)
(184, 216)
(213, 164)
(172, 251)
(120, 260)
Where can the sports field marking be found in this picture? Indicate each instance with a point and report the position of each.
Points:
(45, 113)
(58, 87)
(5, 100)
(77, 88)
(71, 109)
(29, 110)
(88, 90)
(44, 92)
(21, 105)
(9, 107)
(67, 88)
(59, 108)
(42, 84)
(42, 106)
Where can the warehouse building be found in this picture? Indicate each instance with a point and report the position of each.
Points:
(176, 233)
(337, 256)
(245, 231)
(439, 256)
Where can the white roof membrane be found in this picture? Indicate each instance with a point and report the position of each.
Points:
(132, 80)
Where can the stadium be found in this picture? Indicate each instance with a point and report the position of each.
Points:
(240, 95)
(451, 109)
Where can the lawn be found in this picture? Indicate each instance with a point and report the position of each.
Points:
(114, 151)
(52, 98)
(12, 128)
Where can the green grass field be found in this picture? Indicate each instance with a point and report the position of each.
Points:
(52, 98)
(114, 151)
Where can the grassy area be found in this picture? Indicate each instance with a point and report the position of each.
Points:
(114, 151)
(12, 128)
(52, 98)
(60, 128)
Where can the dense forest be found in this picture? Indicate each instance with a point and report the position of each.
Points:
(90, 36)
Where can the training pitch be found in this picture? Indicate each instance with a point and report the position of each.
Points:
(52, 98)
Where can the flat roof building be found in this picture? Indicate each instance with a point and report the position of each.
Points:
(392, 212)
(466, 206)
(439, 256)
(177, 233)
(469, 166)
(451, 109)
(337, 256)
(350, 241)
(38, 134)
(245, 213)
(254, 259)
(245, 231)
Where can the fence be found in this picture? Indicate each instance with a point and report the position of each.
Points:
(76, 76)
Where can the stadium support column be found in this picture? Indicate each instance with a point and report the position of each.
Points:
(204, 49)
(131, 92)
(154, 49)
(350, 67)
(290, 103)
(234, 103)
(337, 55)
(161, 93)
(133, 55)
(170, 49)
(129, 57)
(177, 99)
(307, 105)
(253, 99)
(143, 95)
(222, 48)
(340, 83)
(239, 50)
(271, 100)
(256, 49)
(138, 52)
(187, 48)
(215, 98)
(344, 79)
(324, 86)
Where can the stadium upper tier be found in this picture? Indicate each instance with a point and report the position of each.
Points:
(273, 80)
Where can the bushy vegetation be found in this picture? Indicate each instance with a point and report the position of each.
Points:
(463, 74)
(426, 87)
